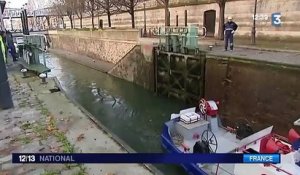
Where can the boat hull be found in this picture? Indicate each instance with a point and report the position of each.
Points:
(169, 146)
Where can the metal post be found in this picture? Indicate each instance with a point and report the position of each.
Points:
(1, 18)
(34, 20)
(185, 18)
(5, 92)
(145, 27)
(169, 18)
(11, 24)
(176, 20)
(22, 21)
(253, 38)
(25, 20)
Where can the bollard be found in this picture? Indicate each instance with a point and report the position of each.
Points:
(24, 71)
(43, 77)
(176, 20)
(210, 47)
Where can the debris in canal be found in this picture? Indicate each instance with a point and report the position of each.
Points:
(80, 137)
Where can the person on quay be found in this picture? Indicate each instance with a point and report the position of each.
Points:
(229, 29)
(11, 45)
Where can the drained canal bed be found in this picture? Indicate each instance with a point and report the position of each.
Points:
(132, 113)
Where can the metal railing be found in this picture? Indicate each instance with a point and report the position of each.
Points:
(152, 32)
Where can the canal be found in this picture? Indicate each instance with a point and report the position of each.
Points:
(132, 113)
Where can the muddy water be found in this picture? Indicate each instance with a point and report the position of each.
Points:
(132, 113)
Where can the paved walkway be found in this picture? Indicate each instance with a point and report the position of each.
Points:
(45, 121)
(246, 52)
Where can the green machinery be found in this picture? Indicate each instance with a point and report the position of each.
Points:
(178, 39)
(34, 53)
(179, 64)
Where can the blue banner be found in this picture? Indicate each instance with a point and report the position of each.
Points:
(153, 158)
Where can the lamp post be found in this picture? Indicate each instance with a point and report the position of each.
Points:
(253, 38)
(176, 22)
(185, 16)
(145, 27)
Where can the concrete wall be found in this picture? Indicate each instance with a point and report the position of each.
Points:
(241, 10)
(264, 94)
(110, 46)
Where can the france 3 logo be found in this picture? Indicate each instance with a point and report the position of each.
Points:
(276, 19)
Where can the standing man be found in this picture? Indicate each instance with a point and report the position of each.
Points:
(11, 46)
(229, 28)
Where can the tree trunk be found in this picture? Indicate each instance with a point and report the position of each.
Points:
(80, 18)
(167, 17)
(48, 21)
(132, 19)
(71, 20)
(93, 23)
(108, 18)
(63, 22)
(221, 21)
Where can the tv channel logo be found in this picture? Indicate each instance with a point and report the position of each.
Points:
(276, 19)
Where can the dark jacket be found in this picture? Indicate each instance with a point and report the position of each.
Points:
(230, 26)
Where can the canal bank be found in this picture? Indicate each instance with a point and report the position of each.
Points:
(259, 86)
(44, 120)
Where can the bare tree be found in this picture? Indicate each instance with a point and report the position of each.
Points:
(91, 8)
(221, 4)
(58, 10)
(69, 6)
(165, 3)
(79, 9)
(127, 6)
(106, 8)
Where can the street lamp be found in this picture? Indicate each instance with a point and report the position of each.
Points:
(145, 27)
(254, 25)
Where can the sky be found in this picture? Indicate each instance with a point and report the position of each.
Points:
(16, 3)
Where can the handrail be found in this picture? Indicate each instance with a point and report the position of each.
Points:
(205, 32)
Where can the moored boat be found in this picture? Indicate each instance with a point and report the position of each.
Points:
(198, 130)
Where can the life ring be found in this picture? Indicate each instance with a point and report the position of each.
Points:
(203, 106)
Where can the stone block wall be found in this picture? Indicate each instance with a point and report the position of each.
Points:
(241, 10)
(95, 47)
(137, 67)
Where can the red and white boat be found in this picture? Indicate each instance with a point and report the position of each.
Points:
(199, 130)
